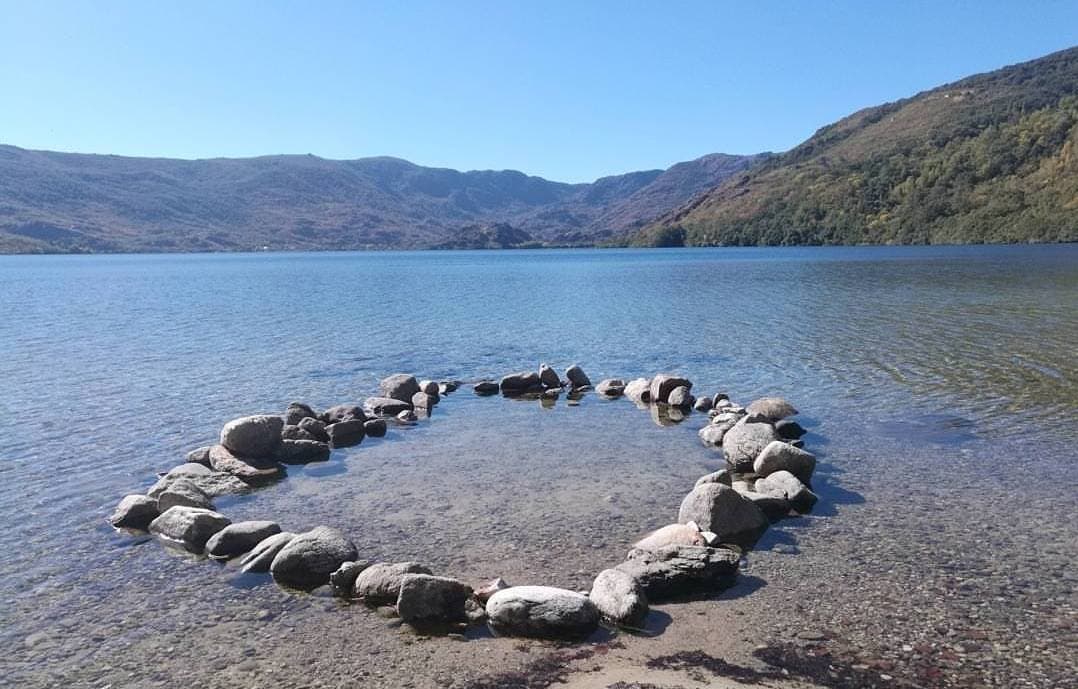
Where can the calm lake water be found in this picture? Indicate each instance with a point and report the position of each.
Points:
(940, 386)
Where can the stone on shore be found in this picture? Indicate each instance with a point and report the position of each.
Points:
(680, 397)
(664, 383)
(261, 556)
(342, 412)
(240, 537)
(542, 612)
(250, 470)
(745, 441)
(199, 455)
(549, 377)
(780, 456)
(772, 408)
(611, 387)
(386, 406)
(346, 433)
(343, 579)
(135, 512)
(399, 386)
(619, 598)
(639, 390)
(380, 583)
(189, 527)
(252, 436)
(298, 411)
(576, 377)
(183, 492)
(425, 599)
(675, 570)
(302, 451)
(485, 387)
(519, 383)
(309, 558)
(720, 476)
(722, 510)
(671, 534)
(783, 483)
(375, 428)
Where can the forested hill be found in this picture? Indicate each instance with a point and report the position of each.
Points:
(991, 158)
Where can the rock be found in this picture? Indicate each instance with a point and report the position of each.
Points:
(773, 408)
(252, 436)
(343, 579)
(639, 390)
(475, 612)
(780, 456)
(240, 537)
(430, 387)
(296, 412)
(407, 417)
(422, 400)
(519, 383)
(183, 492)
(425, 599)
(786, 484)
(788, 429)
(261, 556)
(342, 412)
(304, 451)
(719, 398)
(720, 509)
(619, 598)
(346, 433)
(246, 469)
(381, 582)
(680, 397)
(485, 387)
(720, 476)
(671, 534)
(386, 406)
(703, 404)
(542, 612)
(135, 512)
(576, 377)
(399, 386)
(675, 570)
(773, 505)
(663, 384)
(189, 527)
(484, 592)
(213, 483)
(309, 558)
(712, 435)
(199, 456)
(295, 433)
(611, 387)
(744, 441)
(316, 428)
(375, 428)
(548, 377)
(446, 387)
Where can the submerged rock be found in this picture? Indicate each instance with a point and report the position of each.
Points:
(664, 383)
(135, 512)
(785, 484)
(302, 451)
(619, 597)
(576, 377)
(425, 599)
(399, 386)
(542, 612)
(675, 570)
(744, 442)
(252, 436)
(381, 582)
(309, 558)
(485, 387)
(261, 556)
(780, 456)
(240, 537)
(772, 408)
(722, 510)
(189, 527)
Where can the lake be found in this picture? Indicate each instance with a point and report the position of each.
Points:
(940, 386)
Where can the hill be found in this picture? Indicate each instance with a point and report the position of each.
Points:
(990, 158)
(69, 202)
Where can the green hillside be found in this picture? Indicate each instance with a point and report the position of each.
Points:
(991, 158)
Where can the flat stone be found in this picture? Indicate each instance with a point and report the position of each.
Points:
(675, 570)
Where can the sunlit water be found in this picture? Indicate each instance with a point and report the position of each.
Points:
(940, 385)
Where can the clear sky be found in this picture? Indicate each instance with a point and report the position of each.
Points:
(567, 90)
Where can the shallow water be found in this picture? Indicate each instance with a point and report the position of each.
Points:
(940, 385)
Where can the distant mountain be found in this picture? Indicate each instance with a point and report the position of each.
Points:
(497, 236)
(991, 158)
(68, 202)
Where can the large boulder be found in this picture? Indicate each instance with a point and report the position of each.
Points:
(303, 451)
(611, 387)
(261, 556)
(639, 390)
(619, 597)
(771, 408)
(576, 377)
(183, 492)
(542, 612)
(386, 406)
(309, 558)
(428, 600)
(672, 534)
(549, 377)
(375, 428)
(249, 469)
(780, 456)
(486, 387)
(675, 570)
(346, 433)
(745, 441)
(664, 383)
(380, 583)
(783, 483)
(135, 512)
(189, 527)
(212, 483)
(519, 383)
(342, 412)
(399, 386)
(720, 509)
(240, 537)
(253, 436)
(296, 412)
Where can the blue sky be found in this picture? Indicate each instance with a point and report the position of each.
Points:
(567, 90)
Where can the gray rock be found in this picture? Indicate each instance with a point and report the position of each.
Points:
(475, 612)
(720, 509)
(199, 456)
(399, 386)
(309, 558)
(712, 435)
(720, 399)
(296, 412)
(407, 416)
(316, 428)
(446, 387)
(135, 512)
(744, 442)
(784, 483)
(250, 470)
(576, 377)
(548, 377)
(773, 408)
(386, 406)
(290, 432)
(484, 592)
(789, 429)
(303, 451)
(703, 404)
(720, 476)
(213, 483)
(664, 383)
(240, 537)
(671, 534)
(422, 400)
(261, 556)
(346, 433)
(619, 598)
(430, 387)
(375, 428)
(189, 527)
(183, 492)
(485, 387)
(639, 390)
(519, 383)
(381, 582)
(342, 412)
(675, 570)
(343, 579)
(780, 456)
(773, 505)
(428, 600)
(542, 612)
(252, 436)
(680, 397)
(611, 387)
